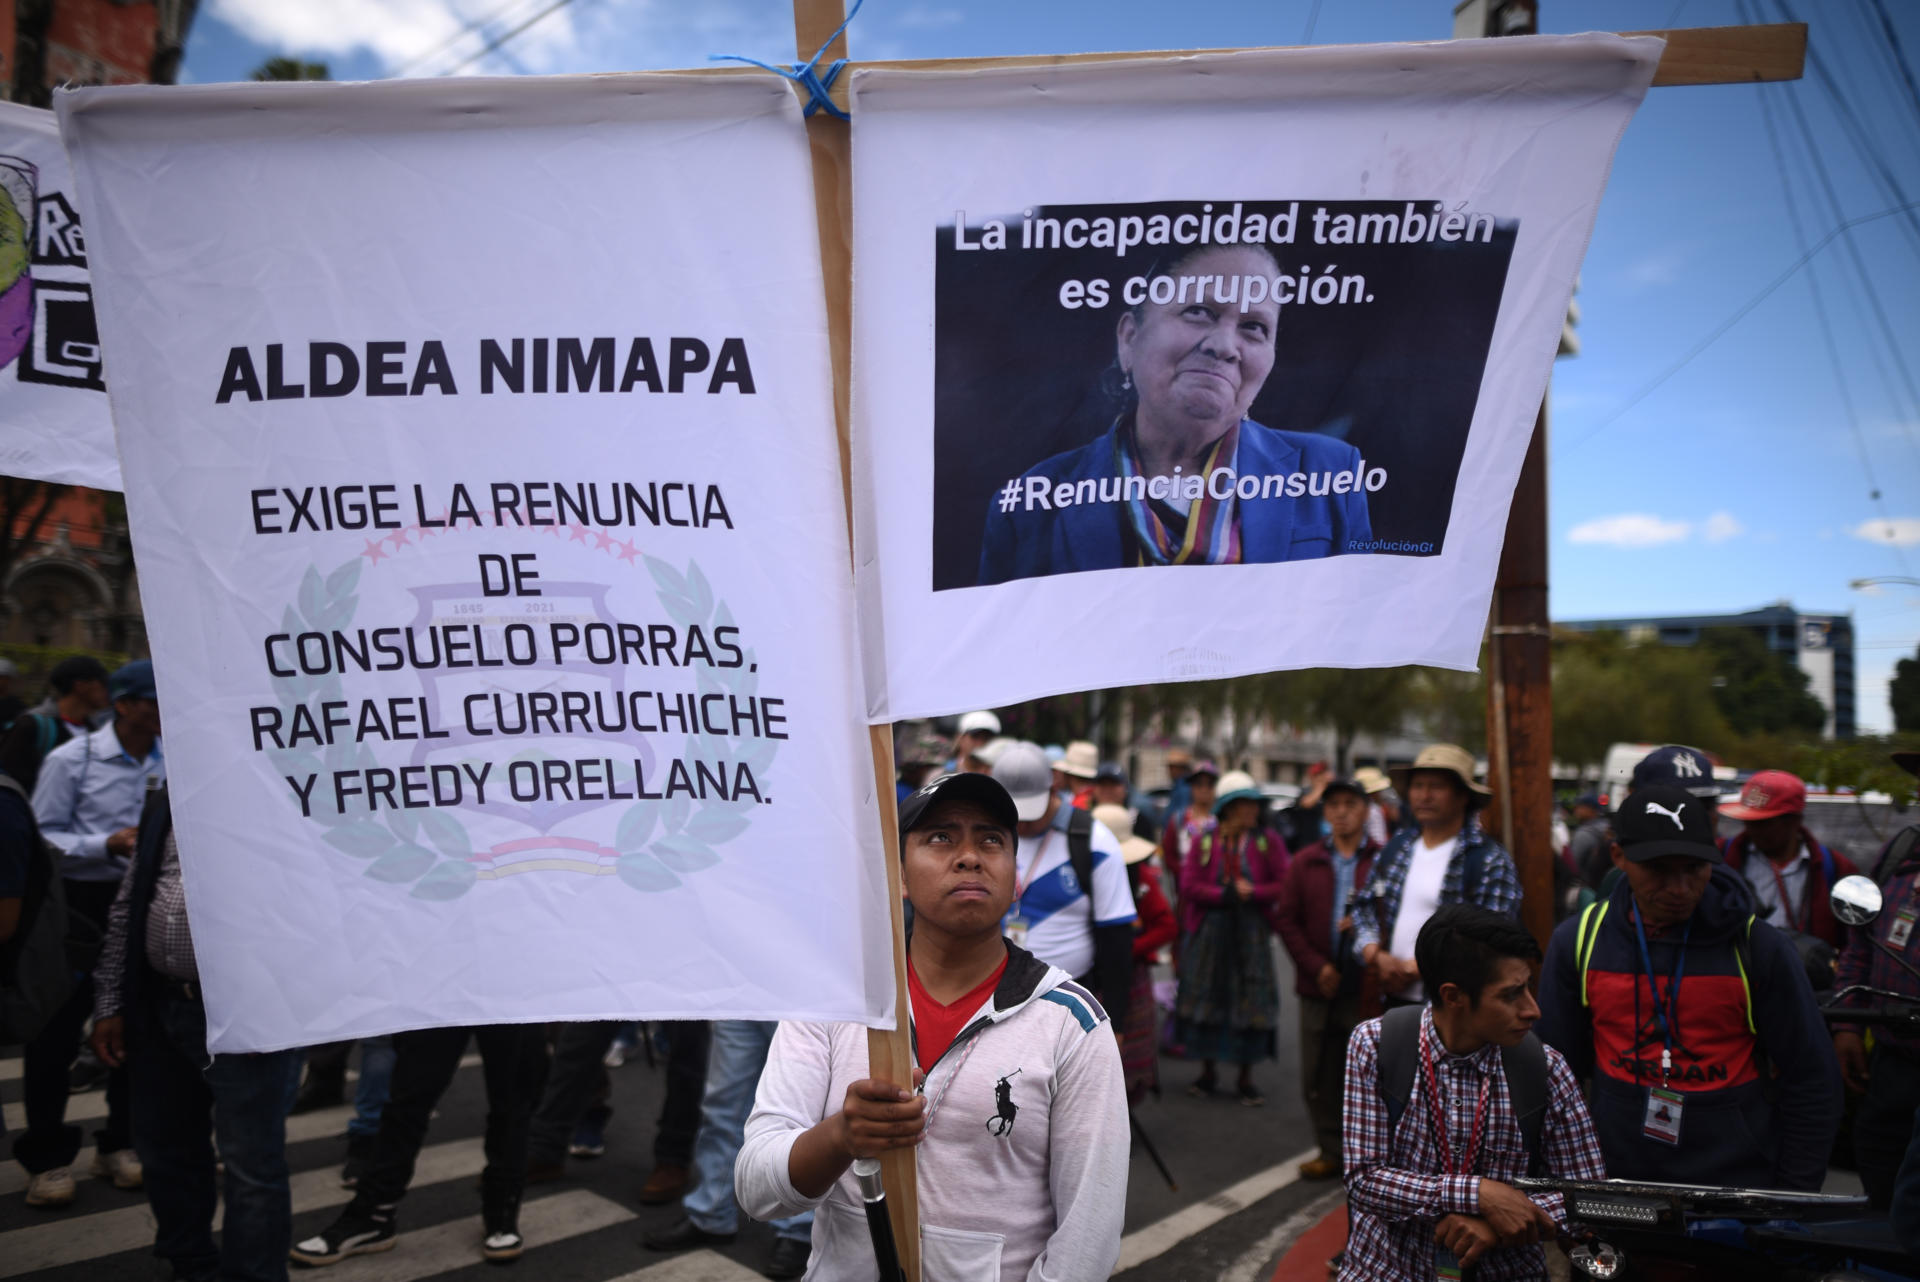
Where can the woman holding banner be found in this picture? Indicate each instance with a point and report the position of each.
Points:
(1184, 477)
(1229, 1002)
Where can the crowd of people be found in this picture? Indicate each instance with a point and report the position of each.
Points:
(1673, 1031)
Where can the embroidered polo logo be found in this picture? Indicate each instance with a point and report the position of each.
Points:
(1005, 1110)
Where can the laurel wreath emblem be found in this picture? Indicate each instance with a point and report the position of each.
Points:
(430, 849)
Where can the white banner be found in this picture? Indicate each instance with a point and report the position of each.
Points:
(1285, 316)
(54, 424)
(480, 455)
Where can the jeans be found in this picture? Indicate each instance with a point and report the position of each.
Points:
(578, 1083)
(514, 1060)
(734, 1062)
(48, 1142)
(174, 1087)
(376, 1077)
(1884, 1124)
(1325, 1027)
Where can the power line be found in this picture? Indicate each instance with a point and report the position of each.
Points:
(505, 36)
(1820, 312)
(475, 25)
(1851, 126)
(1313, 17)
(1899, 55)
(1739, 314)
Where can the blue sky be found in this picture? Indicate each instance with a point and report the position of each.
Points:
(1738, 481)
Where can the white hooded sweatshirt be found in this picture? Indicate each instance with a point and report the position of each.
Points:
(1023, 1172)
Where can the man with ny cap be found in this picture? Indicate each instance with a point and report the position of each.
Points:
(1072, 906)
(1021, 1124)
(1708, 1056)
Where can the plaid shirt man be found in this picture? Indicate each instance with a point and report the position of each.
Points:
(1376, 906)
(1396, 1192)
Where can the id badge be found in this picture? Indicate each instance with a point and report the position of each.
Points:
(1446, 1265)
(1902, 929)
(1663, 1115)
(1017, 931)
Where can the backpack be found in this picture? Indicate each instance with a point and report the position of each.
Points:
(36, 976)
(1080, 851)
(1524, 1065)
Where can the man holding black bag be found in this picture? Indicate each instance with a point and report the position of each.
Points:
(1314, 924)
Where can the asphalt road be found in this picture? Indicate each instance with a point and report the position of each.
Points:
(1235, 1168)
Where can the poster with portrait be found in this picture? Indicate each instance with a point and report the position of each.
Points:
(1207, 365)
(480, 456)
(53, 398)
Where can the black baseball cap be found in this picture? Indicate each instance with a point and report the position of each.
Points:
(1338, 784)
(1109, 772)
(1660, 820)
(981, 790)
(1677, 766)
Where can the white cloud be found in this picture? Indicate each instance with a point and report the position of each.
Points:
(921, 17)
(398, 32)
(1720, 527)
(1901, 531)
(1650, 271)
(1630, 530)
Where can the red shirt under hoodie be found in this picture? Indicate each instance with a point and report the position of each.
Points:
(935, 1026)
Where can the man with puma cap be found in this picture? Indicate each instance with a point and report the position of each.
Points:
(1709, 1059)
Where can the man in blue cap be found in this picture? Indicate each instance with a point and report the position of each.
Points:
(87, 802)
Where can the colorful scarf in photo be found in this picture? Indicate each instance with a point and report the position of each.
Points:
(1202, 531)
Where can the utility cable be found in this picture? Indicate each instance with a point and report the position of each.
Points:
(505, 36)
(475, 25)
(1714, 335)
(1899, 55)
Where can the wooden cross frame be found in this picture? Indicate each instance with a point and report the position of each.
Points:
(1693, 56)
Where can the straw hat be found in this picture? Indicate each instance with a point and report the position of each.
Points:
(1373, 779)
(1236, 785)
(1082, 760)
(1119, 821)
(1451, 758)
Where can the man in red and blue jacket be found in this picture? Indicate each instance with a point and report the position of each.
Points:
(1709, 1059)
(1790, 872)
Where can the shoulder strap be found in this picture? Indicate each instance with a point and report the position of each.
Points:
(1473, 872)
(1080, 850)
(1743, 958)
(1898, 851)
(1398, 1054)
(1584, 938)
(46, 733)
(12, 785)
(1525, 1065)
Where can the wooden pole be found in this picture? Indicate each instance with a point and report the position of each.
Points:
(889, 1053)
(1520, 692)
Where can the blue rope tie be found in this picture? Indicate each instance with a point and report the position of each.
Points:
(818, 86)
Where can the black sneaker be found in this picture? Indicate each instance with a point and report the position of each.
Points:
(354, 1233)
(502, 1243)
(500, 1240)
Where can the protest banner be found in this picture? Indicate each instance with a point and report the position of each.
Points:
(481, 459)
(1256, 337)
(52, 398)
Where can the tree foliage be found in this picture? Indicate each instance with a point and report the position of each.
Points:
(1607, 691)
(1904, 694)
(1759, 690)
(291, 69)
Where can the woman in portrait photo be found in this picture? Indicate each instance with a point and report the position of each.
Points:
(1189, 368)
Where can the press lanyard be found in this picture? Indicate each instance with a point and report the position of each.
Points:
(1667, 1012)
(1021, 881)
(1439, 1116)
(1786, 901)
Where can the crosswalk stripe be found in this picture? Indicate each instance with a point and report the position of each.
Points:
(70, 1239)
(92, 1106)
(10, 1069)
(700, 1266)
(425, 1252)
(317, 1125)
